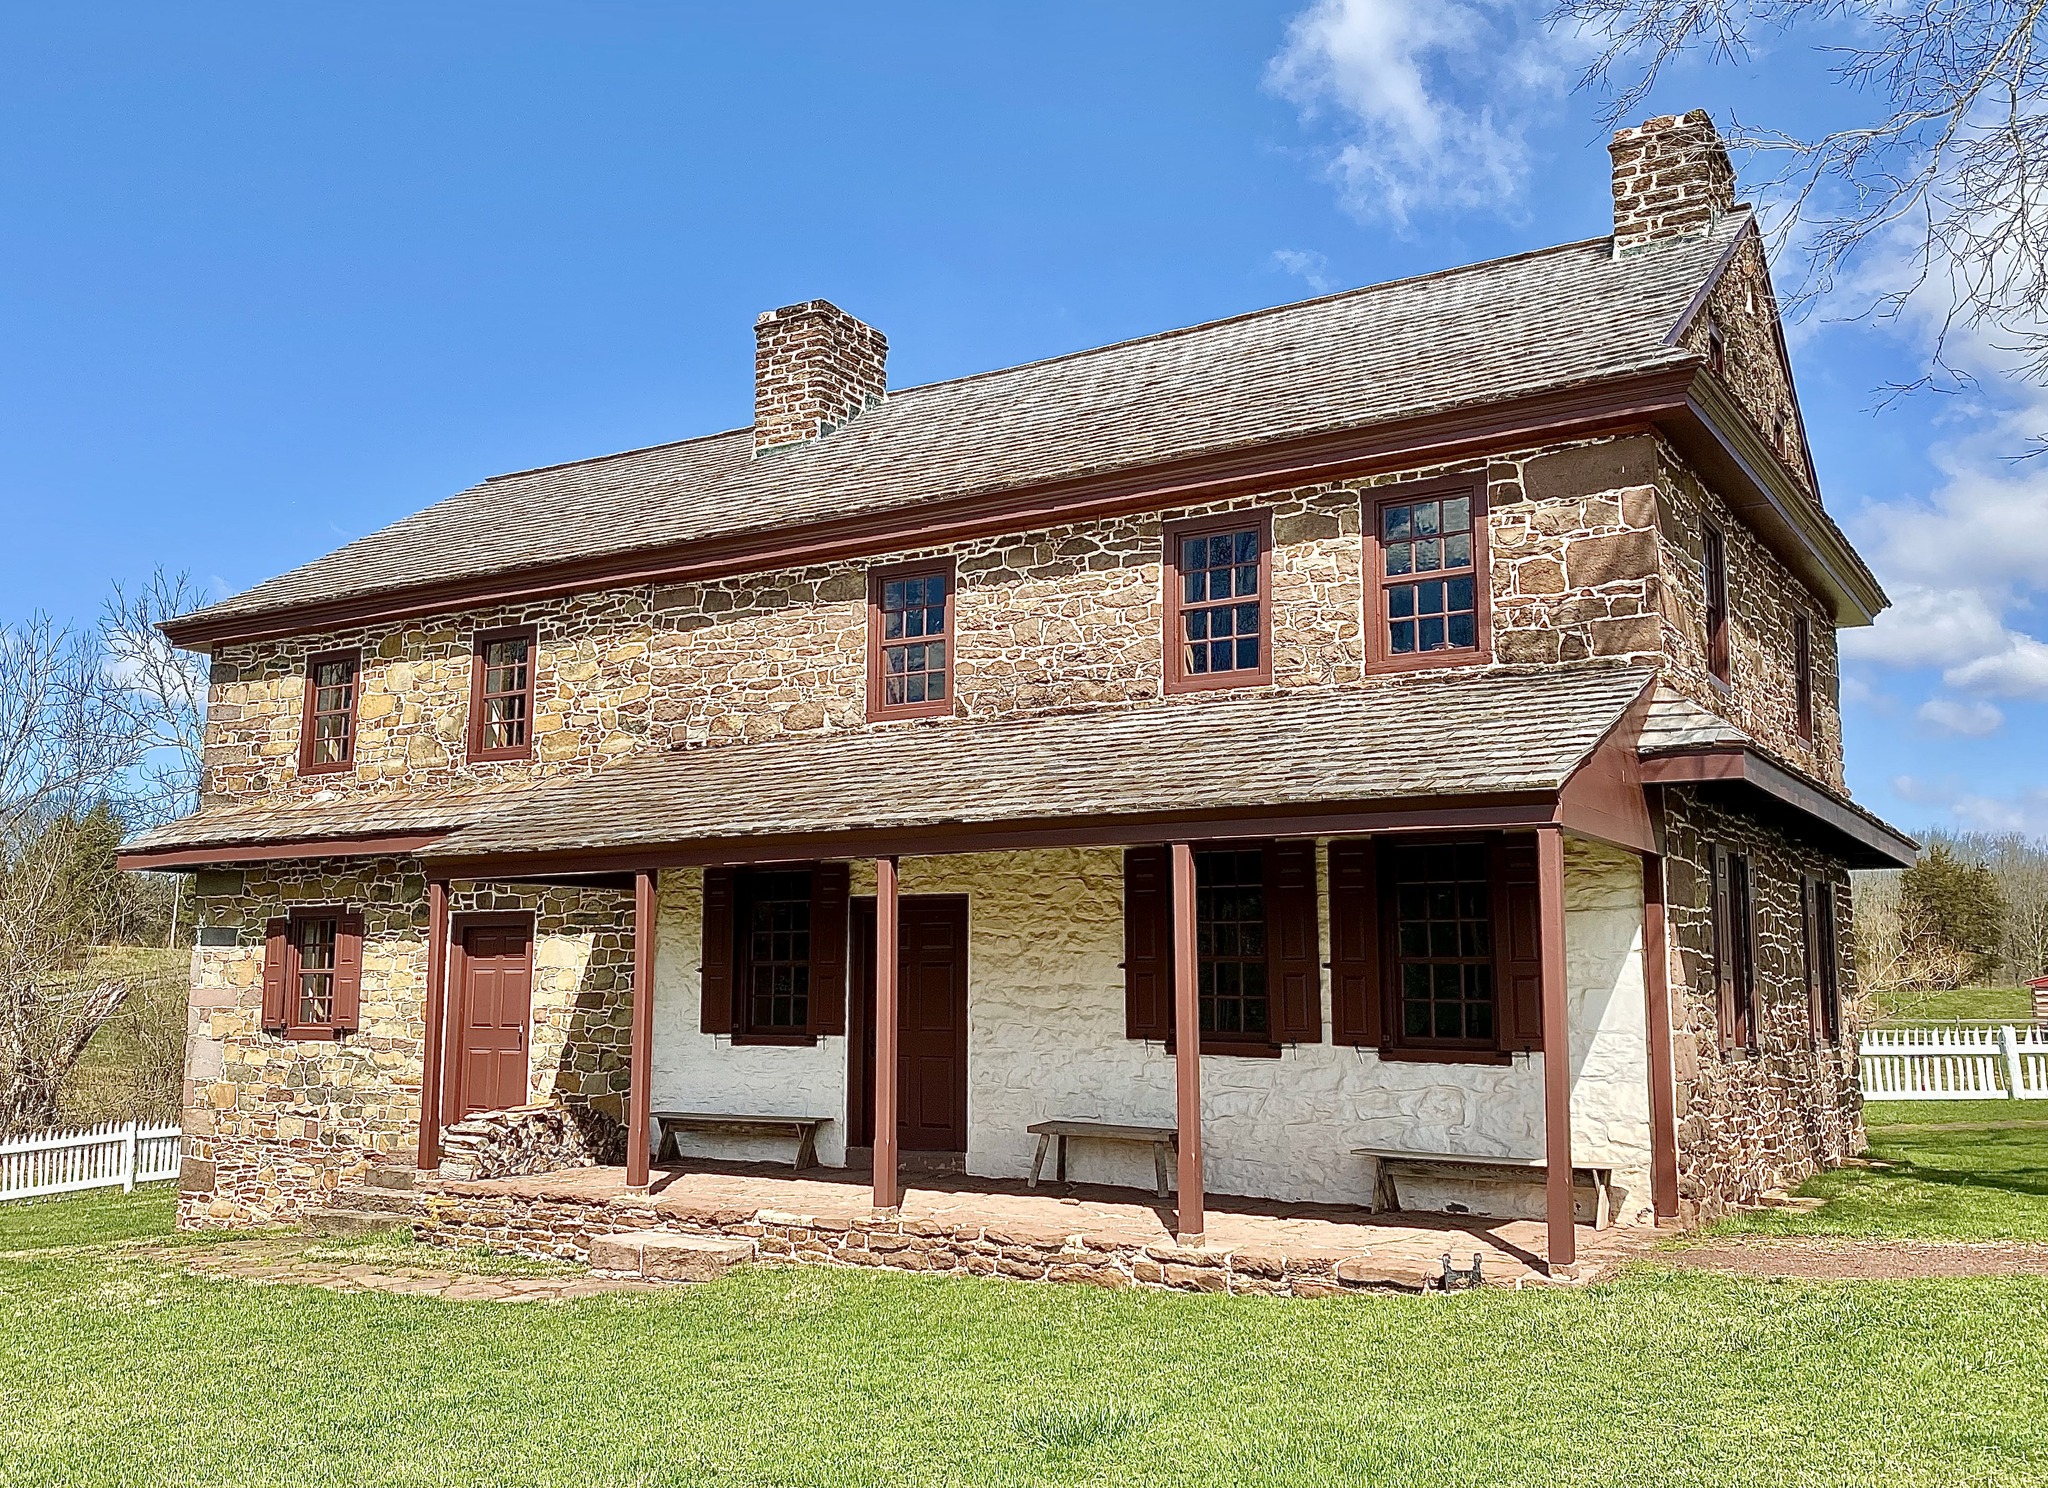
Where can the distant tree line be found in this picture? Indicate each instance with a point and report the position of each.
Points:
(1972, 911)
(99, 735)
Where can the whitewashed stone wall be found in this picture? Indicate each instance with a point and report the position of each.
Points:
(1046, 1039)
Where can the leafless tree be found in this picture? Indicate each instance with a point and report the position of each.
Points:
(1899, 958)
(162, 690)
(65, 744)
(1948, 170)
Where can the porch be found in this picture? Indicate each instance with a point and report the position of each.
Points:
(954, 1223)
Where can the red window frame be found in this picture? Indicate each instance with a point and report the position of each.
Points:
(1379, 585)
(880, 644)
(340, 947)
(1714, 567)
(479, 697)
(1177, 677)
(1802, 675)
(1397, 1041)
(788, 948)
(309, 721)
(1232, 924)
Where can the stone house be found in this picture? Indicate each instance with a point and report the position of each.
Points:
(1399, 722)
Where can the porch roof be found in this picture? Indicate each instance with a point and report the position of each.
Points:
(1495, 734)
(345, 823)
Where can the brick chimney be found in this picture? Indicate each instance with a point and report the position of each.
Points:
(1672, 179)
(815, 367)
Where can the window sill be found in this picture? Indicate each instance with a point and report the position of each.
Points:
(298, 1034)
(1229, 1048)
(497, 756)
(1217, 682)
(340, 767)
(886, 712)
(777, 1040)
(1427, 661)
(1416, 1054)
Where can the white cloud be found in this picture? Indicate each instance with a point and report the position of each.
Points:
(1928, 626)
(1432, 97)
(2018, 671)
(1312, 268)
(2025, 813)
(1973, 717)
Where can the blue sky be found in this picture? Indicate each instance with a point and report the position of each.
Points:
(271, 277)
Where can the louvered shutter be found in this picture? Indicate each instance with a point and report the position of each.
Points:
(1148, 943)
(1354, 945)
(1518, 943)
(829, 885)
(716, 973)
(1293, 943)
(348, 972)
(276, 964)
(1724, 957)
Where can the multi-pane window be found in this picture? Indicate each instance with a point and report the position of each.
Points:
(1428, 579)
(1443, 954)
(1714, 560)
(1230, 944)
(775, 952)
(330, 721)
(1217, 619)
(914, 614)
(312, 991)
(501, 695)
(1802, 674)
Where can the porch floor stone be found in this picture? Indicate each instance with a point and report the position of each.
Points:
(1262, 1236)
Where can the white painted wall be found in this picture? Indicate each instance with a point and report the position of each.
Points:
(1045, 1040)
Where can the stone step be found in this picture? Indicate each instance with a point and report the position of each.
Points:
(392, 1201)
(393, 1178)
(658, 1255)
(348, 1222)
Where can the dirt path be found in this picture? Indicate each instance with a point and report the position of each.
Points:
(1862, 1260)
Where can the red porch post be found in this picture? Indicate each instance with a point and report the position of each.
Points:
(1561, 1244)
(1657, 1020)
(888, 1183)
(436, 1016)
(640, 1095)
(1187, 1048)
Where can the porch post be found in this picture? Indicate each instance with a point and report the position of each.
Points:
(1561, 1244)
(435, 1032)
(888, 1183)
(1187, 1048)
(640, 1094)
(1657, 1021)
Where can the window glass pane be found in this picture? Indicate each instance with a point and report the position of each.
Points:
(1401, 637)
(1427, 557)
(1458, 514)
(1220, 573)
(775, 944)
(1395, 524)
(1230, 941)
(1458, 550)
(1400, 559)
(1442, 941)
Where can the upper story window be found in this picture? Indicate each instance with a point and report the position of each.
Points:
(1802, 675)
(501, 695)
(1714, 562)
(910, 641)
(1219, 623)
(1425, 558)
(1439, 905)
(312, 973)
(1230, 944)
(327, 733)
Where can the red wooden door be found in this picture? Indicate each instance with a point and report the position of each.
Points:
(497, 1004)
(931, 1057)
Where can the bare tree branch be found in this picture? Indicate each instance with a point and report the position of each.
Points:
(162, 690)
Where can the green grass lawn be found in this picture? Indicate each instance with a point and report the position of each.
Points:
(1963, 1004)
(1960, 1170)
(118, 1366)
(87, 1218)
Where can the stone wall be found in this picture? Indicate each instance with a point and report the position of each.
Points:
(1743, 308)
(1750, 1122)
(273, 1124)
(1046, 1040)
(1763, 599)
(1672, 177)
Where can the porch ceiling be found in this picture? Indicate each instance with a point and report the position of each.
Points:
(1498, 734)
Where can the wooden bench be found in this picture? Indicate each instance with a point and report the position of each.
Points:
(804, 1129)
(1385, 1199)
(1162, 1139)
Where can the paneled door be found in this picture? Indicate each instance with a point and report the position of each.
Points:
(496, 998)
(931, 1057)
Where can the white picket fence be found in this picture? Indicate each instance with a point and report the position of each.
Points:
(1955, 1062)
(111, 1156)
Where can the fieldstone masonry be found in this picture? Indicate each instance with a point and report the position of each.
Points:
(815, 367)
(1672, 176)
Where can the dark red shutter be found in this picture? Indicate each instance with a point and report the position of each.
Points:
(1148, 943)
(828, 947)
(1809, 895)
(1724, 959)
(716, 974)
(348, 972)
(276, 961)
(1294, 962)
(1354, 945)
(1518, 944)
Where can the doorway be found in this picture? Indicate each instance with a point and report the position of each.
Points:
(494, 1006)
(931, 1063)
